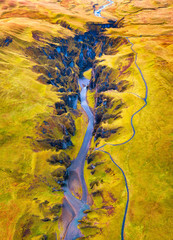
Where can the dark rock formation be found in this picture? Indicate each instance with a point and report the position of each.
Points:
(46, 220)
(59, 172)
(44, 237)
(60, 107)
(61, 158)
(56, 209)
(97, 193)
(71, 100)
(68, 124)
(91, 157)
(102, 105)
(5, 42)
(104, 133)
(58, 144)
(92, 184)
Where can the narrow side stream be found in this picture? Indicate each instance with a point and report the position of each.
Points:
(98, 14)
(75, 190)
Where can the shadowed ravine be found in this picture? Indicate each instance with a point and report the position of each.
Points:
(75, 190)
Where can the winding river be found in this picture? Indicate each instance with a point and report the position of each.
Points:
(98, 12)
(75, 190)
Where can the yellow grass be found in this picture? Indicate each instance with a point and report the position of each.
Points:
(146, 159)
(25, 104)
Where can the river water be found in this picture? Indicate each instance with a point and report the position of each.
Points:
(76, 198)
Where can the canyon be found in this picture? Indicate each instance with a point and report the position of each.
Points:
(85, 127)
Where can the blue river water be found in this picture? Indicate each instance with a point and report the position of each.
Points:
(98, 12)
(74, 205)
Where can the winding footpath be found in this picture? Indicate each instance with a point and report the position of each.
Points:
(98, 14)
